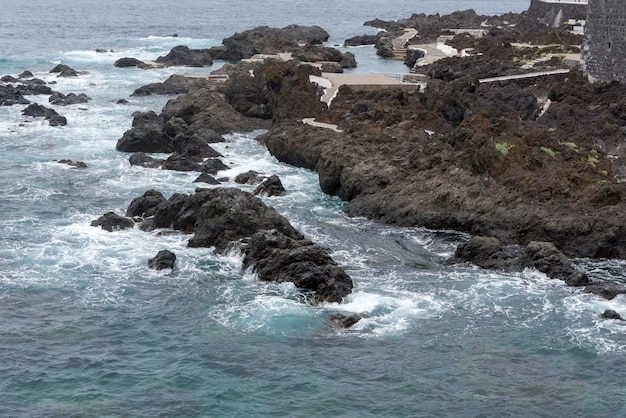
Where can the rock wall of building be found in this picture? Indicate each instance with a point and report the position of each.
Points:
(553, 14)
(604, 47)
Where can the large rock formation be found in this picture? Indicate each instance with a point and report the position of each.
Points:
(224, 218)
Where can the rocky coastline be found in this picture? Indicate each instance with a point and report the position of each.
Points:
(533, 168)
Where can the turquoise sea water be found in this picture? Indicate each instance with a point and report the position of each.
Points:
(87, 330)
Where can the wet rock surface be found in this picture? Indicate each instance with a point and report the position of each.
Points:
(227, 217)
(182, 55)
(111, 221)
(38, 111)
(164, 259)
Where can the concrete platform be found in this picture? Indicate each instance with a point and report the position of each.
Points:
(360, 82)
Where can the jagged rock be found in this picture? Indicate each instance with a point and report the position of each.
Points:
(331, 67)
(9, 79)
(274, 256)
(206, 178)
(250, 177)
(110, 221)
(61, 99)
(342, 320)
(611, 314)
(145, 205)
(146, 135)
(175, 84)
(163, 260)
(64, 71)
(266, 40)
(39, 111)
(182, 162)
(181, 55)
(213, 165)
(143, 160)
(607, 290)
(10, 96)
(73, 164)
(271, 186)
(127, 62)
(363, 40)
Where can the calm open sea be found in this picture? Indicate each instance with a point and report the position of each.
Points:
(87, 330)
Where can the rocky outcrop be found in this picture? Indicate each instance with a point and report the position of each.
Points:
(468, 156)
(183, 56)
(271, 186)
(164, 259)
(60, 99)
(266, 40)
(9, 96)
(111, 221)
(175, 84)
(319, 53)
(611, 314)
(64, 71)
(186, 125)
(225, 218)
(128, 62)
(73, 164)
(38, 111)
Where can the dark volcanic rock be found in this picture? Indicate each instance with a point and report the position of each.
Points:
(266, 40)
(271, 186)
(277, 257)
(64, 71)
(25, 74)
(250, 177)
(206, 178)
(213, 166)
(38, 111)
(363, 40)
(61, 99)
(607, 290)
(73, 164)
(227, 217)
(143, 160)
(163, 260)
(342, 320)
(110, 221)
(10, 96)
(175, 84)
(183, 56)
(611, 314)
(145, 205)
(130, 62)
(146, 135)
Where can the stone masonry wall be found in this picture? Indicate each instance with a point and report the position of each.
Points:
(553, 14)
(604, 47)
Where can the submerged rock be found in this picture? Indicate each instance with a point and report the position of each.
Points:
(342, 320)
(73, 164)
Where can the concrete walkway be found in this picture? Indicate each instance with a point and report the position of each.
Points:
(311, 121)
(362, 82)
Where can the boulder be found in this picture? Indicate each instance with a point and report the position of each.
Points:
(145, 205)
(611, 314)
(607, 290)
(130, 62)
(266, 40)
(64, 71)
(143, 160)
(73, 164)
(342, 320)
(61, 99)
(271, 186)
(224, 218)
(38, 111)
(10, 96)
(206, 178)
(146, 135)
(183, 56)
(182, 162)
(163, 260)
(25, 74)
(110, 221)
(213, 166)
(249, 177)
(274, 256)
(363, 40)
(175, 84)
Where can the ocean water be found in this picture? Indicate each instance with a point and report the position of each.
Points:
(87, 330)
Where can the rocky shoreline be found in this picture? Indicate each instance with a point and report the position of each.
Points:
(532, 167)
